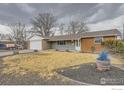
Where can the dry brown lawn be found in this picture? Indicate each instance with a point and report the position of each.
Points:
(47, 62)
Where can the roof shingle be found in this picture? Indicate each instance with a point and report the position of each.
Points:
(111, 32)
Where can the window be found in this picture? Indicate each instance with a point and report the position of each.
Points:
(61, 42)
(118, 37)
(98, 40)
(72, 42)
(77, 43)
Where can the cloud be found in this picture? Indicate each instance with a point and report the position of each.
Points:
(102, 12)
(4, 29)
(66, 19)
(94, 12)
(99, 6)
(26, 8)
(121, 9)
(116, 23)
(99, 15)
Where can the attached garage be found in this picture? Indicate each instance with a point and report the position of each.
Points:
(36, 45)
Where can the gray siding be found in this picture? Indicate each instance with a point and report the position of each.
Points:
(64, 47)
(68, 46)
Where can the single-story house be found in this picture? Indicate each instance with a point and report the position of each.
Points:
(74, 42)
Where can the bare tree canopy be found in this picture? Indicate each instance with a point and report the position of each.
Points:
(43, 23)
(62, 28)
(18, 33)
(5, 37)
(74, 26)
(77, 26)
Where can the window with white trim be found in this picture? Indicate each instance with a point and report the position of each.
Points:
(61, 42)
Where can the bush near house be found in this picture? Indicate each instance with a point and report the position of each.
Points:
(93, 49)
(116, 46)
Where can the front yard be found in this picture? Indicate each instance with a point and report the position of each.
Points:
(46, 63)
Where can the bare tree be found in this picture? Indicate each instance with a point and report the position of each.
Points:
(5, 37)
(78, 26)
(43, 23)
(61, 28)
(83, 27)
(18, 33)
(74, 25)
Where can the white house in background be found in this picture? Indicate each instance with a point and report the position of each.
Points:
(74, 42)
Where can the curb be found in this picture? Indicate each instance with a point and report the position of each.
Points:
(118, 67)
(74, 81)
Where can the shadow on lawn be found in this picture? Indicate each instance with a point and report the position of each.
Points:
(41, 53)
(27, 78)
(87, 73)
(1, 64)
(30, 78)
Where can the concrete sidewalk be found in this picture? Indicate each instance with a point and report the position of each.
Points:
(2, 54)
(7, 53)
(26, 51)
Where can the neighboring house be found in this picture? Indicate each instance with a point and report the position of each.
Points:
(7, 43)
(75, 42)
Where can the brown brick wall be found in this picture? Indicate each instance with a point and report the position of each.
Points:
(87, 43)
(45, 44)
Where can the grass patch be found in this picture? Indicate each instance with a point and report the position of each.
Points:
(47, 62)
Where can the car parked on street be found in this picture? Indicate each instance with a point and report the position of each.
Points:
(3, 46)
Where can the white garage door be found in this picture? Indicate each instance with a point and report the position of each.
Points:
(35, 45)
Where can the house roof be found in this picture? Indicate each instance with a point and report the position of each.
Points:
(38, 37)
(64, 37)
(6, 41)
(111, 32)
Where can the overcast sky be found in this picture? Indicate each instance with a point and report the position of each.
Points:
(99, 16)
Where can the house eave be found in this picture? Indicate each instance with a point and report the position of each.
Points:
(84, 37)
